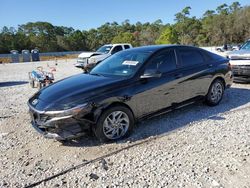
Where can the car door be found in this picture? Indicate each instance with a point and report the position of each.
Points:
(195, 72)
(156, 93)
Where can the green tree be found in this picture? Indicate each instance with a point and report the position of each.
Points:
(124, 38)
(187, 28)
(168, 36)
(77, 41)
(225, 24)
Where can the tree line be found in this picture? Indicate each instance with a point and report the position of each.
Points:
(227, 24)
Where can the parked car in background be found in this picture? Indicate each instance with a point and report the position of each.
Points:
(227, 47)
(240, 62)
(222, 48)
(87, 60)
(127, 87)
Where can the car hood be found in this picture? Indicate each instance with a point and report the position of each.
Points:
(239, 54)
(97, 58)
(75, 89)
(85, 54)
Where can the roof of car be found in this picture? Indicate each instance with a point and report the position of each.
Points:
(154, 48)
(116, 44)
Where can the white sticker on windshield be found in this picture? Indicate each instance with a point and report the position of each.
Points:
(133, 63)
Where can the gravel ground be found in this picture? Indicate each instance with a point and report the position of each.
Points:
(197, 146)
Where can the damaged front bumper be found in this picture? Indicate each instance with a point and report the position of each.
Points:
(61, 125)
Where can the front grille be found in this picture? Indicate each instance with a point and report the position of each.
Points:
(241, 69)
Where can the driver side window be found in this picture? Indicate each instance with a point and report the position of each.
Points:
(163, 62)
(116, 49)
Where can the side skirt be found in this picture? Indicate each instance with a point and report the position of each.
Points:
(171, 108)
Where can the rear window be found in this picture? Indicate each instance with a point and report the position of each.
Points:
(190, 57)
(211, 56)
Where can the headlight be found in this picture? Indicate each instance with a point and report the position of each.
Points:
(82, 59)
(92, 60)
(67, 111)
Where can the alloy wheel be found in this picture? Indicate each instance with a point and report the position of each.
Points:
(216, 92)
(116, 125)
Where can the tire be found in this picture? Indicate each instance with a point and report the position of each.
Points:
(215, 93)
(114, 123)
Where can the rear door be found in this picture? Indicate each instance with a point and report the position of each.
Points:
(195, 72)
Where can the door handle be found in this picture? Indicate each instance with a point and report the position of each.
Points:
(210, 65)
(178, 75)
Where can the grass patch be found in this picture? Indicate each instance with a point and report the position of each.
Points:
(43, 58)
(5, 60)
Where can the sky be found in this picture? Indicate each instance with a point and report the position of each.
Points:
(87, 14)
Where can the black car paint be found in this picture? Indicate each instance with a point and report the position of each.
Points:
(77, 88)
(144, 97)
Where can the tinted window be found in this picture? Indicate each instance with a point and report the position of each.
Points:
(211, 56)
(116, 49)
(190, 57)
(163, 62)
(126, 46)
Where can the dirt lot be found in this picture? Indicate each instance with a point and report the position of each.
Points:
(198, 146)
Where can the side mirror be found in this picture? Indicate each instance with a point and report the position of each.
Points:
(79, 65)
(151, 74)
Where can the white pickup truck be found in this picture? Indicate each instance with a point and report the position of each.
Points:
(240, 62)
(87, 60)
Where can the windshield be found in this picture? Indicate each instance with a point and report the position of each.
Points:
(124, 63)
(246, 46)
(104, 49)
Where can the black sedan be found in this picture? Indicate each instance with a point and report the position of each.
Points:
(126, 87)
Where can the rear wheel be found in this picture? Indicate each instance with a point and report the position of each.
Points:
(215, 93)
(114, 123)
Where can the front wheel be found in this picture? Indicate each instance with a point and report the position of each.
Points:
(114, 123)
(215, 93)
